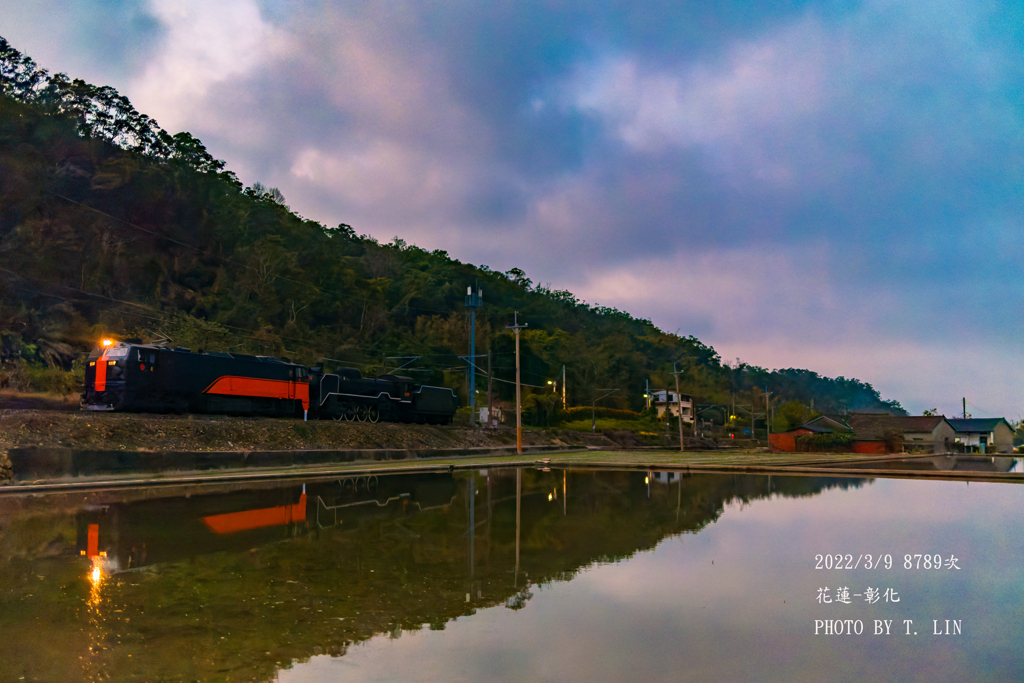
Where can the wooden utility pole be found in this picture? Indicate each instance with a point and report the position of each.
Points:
(753, 434)
(563, 387)
(515, 327)
(679, 407)
(490, 396)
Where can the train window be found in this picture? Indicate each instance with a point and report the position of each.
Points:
(118, 352)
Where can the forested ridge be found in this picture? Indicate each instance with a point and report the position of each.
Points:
(111, 226)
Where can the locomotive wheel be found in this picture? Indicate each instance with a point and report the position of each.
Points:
(362, 413)
(350, 413)
(373, 414)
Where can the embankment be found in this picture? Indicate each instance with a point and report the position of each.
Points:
(59, 443)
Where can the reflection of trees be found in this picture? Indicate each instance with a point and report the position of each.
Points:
(241, 612)
(518, 599)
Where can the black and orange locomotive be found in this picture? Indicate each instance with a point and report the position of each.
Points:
(147, 378)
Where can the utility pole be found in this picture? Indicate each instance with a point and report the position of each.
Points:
(473, 302)
(490, 396)
(767, 417)
(965, 407)
(753, 434)
(563, 387)
(515, 327)
(668, 413)
(679, 407)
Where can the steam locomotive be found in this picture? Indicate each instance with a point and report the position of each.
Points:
(148, 378)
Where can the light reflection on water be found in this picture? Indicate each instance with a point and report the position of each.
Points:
(508, 575)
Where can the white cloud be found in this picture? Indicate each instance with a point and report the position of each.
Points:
(758, 85)
(767, 290)
(205, 43)
(888, 91)
(732, 109)
(386, 178)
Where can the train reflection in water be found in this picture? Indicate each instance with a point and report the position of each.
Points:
(123, 536)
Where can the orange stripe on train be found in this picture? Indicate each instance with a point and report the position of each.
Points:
(233, 522)
(263, 388)
(101, 374)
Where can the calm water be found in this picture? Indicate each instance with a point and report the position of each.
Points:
(620, 576)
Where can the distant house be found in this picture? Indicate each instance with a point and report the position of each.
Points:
(984, 434)
(827, 424)
(786, 441)
(880, 433)
(918, 433)
(823, 424)
(659, 403)
(664, 477)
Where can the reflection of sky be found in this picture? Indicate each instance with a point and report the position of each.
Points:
(737, 602)
(832, 184)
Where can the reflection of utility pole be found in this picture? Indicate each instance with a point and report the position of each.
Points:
(515, 327)
(473, 302)
(563, 494)
(472, 532)
(679, 496)
(488, 517)
(519, 496)
(679, 407)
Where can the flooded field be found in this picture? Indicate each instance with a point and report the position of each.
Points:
(527, 574)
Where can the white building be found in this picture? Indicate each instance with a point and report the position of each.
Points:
(658, 401)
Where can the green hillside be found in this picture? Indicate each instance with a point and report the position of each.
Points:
(111, 226)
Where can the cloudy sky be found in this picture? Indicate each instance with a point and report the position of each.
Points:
(831, 184)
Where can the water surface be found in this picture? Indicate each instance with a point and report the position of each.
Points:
(620, 576)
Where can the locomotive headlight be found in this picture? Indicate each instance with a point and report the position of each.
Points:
(107, 342)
